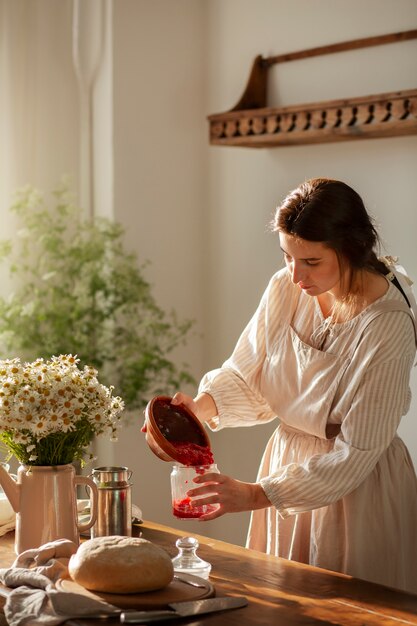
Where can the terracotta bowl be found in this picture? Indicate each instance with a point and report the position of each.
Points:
(167, 424)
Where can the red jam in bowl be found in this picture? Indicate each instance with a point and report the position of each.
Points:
(193, 454)
(175, 433)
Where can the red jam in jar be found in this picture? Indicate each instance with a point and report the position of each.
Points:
(184, 507)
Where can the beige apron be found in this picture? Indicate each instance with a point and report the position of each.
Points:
(303, 400)
(300, 384)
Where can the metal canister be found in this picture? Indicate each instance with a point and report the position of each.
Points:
(114, 515)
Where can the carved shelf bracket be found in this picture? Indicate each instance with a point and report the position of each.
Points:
(252, 124)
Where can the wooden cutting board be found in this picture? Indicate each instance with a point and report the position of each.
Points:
(176, 591)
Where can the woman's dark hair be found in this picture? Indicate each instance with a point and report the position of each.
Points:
(331, 212)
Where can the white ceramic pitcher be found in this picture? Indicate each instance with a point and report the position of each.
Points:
(45, 501)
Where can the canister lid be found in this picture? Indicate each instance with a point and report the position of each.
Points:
(111, 476)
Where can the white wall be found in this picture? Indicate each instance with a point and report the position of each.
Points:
(38, 102)
(160, 149)
(177, 62)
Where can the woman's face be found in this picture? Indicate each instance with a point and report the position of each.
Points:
(312, 266)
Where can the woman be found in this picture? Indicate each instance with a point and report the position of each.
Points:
(329, 352)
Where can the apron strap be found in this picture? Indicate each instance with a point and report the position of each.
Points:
(377, 310)
(399, 277)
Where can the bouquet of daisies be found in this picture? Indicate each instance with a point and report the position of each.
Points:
(50, 410)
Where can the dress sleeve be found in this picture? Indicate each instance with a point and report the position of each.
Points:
(376, 399)
(236, 386)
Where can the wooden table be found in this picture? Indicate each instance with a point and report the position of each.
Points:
(279, 592)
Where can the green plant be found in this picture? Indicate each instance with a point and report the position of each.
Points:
(77, 291)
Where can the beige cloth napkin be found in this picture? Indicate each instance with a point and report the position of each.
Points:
(35, 598)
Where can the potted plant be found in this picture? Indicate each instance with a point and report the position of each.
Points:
(78, 291)
(49, 412)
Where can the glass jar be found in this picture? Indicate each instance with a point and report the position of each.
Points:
(184, 507)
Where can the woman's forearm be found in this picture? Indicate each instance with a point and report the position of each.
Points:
(205, 407)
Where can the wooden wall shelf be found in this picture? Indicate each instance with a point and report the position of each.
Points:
(252, 124)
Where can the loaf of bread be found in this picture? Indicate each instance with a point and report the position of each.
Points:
(120, 565)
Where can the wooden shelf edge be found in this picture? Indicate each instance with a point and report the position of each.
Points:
(382, 115)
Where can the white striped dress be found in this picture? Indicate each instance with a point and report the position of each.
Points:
(341, 482)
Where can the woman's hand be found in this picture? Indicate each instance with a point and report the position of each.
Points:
(185, 400)
(203, 405)
(232, 495)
